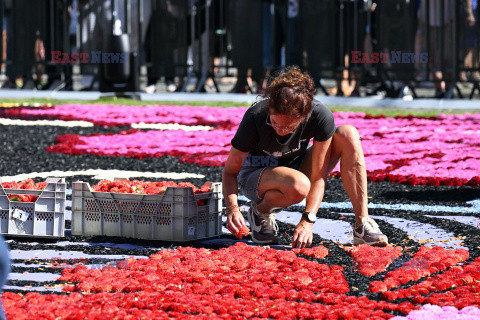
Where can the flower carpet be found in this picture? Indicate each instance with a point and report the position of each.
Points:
(424, 192)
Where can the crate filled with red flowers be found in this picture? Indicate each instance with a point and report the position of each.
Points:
(147, 210)
(33, 209)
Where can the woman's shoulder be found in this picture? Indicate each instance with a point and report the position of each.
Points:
(259, 107)
(319, 109)
(260, 103)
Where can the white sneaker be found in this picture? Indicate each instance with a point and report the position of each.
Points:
(263, 225)
(369, 233)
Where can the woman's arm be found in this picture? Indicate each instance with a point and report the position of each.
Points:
(320, 162)
(303, 235)
(233, 165)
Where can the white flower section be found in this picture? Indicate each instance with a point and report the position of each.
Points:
(169, 126)
(49, 254)
(62, 123)
(33, 276)
(104, 174)
(56, 123)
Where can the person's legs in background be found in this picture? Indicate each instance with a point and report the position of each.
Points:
(267, 42)
(10, 71)
(470, 51)
(4, 44)
(244, 81)
(435, 59)
(291, 50)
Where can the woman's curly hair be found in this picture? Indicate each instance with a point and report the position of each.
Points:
(291, 93)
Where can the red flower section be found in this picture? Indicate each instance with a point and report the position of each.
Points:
(424, 263)
(255, 271)
(147, 187)
(232, 283)
(372, 260)
(242, 232)
(414, 180)
(465, 277)
(144, 187)
(27, 184)
(178, 305)
(69, 144)
(319, 252)
(22, 197)
(462, 296)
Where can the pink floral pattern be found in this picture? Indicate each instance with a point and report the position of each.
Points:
(442, 150)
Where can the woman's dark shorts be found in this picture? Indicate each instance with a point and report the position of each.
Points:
(248, 179)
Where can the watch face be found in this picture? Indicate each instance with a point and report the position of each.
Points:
(310, 216)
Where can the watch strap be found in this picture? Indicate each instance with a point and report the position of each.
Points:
(306, 215)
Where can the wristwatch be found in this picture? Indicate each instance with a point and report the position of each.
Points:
(309, 216)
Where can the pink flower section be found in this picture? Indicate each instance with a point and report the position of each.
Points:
(432, 312)
(419, 150)
(116, 115)
(443, 150)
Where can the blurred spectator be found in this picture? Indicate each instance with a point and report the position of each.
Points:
(470, 52)
(72, 26)
(439, 21)
(40, 61)
(273, 32)
(72, 40)
(167, 41)
(370, 40)
(272, 35)
(351, 38)
(8, 45)
(245, 20)
(217, 46)
(418, 45)
(200, 53)
(291, 51)
(4, 44)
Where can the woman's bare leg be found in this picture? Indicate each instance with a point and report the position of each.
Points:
(281, 187)
(347, 149)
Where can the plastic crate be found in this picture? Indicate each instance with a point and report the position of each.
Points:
(171, 216)
(42, 218)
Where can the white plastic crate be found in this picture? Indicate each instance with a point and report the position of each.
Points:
(171, 216)
(42, 218)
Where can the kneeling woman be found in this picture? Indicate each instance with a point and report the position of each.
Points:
(271, 163)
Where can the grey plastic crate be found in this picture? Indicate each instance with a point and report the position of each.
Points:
(42, 218)
(172, 216)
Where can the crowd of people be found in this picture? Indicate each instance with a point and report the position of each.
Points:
(178, 39)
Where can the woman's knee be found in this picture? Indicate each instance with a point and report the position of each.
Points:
(298, 187)
(348, 133)
(345, 142)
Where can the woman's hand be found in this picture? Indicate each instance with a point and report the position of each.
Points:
(235, 221)
(303, 235)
